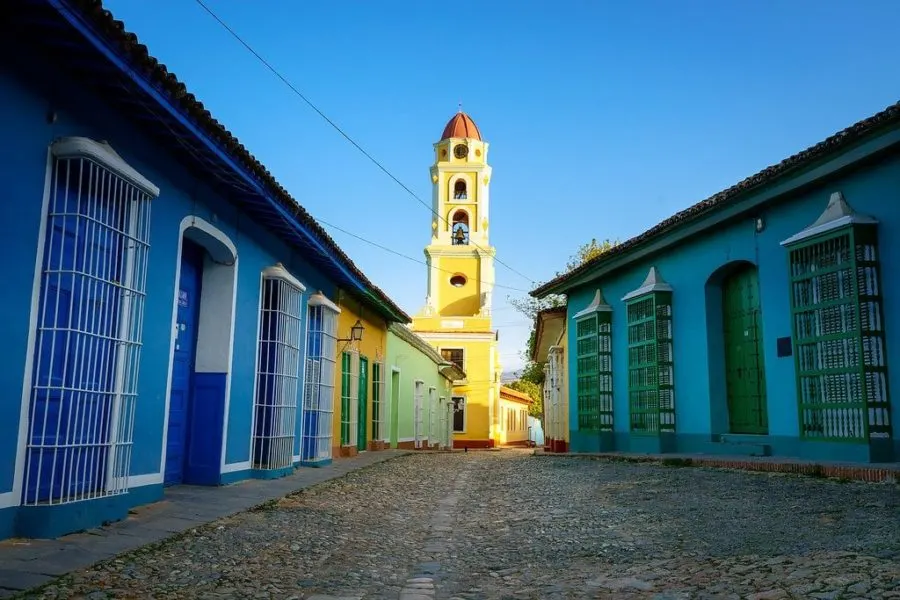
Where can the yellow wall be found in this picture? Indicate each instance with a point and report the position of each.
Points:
(480, 390)
(517, 431)
(373, 346)
(458, 301)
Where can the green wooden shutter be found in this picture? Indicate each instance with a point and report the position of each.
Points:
(651, 379)
(345, 398)
(593, 333)
(838, 333)
(604, 371)
(587, 365)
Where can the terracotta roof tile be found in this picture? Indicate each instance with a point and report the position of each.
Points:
(834, 143)
(461, 125)
(127, 44)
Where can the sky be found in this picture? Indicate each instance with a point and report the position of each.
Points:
(603, 117)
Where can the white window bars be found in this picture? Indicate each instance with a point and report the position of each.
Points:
(442, 422)
(277, 369)
(380, 404)
(89, 326)
(318, 390)
(432, 412)
(448, 426)
(419, 399)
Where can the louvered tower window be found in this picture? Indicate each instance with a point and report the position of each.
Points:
(651, 386)
(838, 327)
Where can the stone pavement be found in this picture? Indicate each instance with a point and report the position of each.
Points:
(26, 564)
(874, 472)
(508, 526)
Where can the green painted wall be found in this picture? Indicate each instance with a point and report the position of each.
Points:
(412, 364)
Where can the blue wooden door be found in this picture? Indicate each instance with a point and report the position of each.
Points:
(183, 361)
(75, 355)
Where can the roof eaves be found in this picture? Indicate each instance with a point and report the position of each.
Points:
(830, 145)
(130, 50)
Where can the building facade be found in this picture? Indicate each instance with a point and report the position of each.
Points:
(359, 379)
(174, 313)
(514, 406)
(456, 318)
(420, 392)
(761, 321)
(549, 350)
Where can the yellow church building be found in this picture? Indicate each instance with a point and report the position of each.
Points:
(456, 318)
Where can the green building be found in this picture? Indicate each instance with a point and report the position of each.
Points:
(418, 391)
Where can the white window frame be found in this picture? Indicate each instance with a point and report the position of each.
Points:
(442, 421)
(418, 410)
(273, 448)
(76, 163)
(379, 388)
(465, 412)
(432, 410)
(319, 389)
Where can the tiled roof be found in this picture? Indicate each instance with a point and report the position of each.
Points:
(835, 143)
(516, 395)
(128, 46)
(461, 125)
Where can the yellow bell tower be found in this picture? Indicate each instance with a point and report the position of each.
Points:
(456, 318)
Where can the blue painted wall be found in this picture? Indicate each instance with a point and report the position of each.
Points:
(30, 89)
(873, 190)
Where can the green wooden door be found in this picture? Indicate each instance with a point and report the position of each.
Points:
(361, 422)
(744, 367)
(345, 399)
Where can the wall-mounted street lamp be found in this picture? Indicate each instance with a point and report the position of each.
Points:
(356, 333)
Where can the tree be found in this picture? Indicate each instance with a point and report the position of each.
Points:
(533, 373)
(534, 391)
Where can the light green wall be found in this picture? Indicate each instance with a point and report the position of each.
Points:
(412, 364)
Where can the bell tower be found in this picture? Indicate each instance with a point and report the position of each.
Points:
(459, 257)
(456, 318)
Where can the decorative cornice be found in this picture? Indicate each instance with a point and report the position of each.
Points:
(653, 283)
(598, 304)
(838, 213)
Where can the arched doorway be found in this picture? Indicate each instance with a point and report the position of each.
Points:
(745, 380)
(200, 368)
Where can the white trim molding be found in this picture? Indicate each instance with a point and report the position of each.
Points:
(223, 250)
(837, 213)
(653, 283)
(102, 153)
(277, 271)
(320, 299)
(598, 304)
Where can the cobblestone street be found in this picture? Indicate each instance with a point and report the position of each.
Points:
(510, 525)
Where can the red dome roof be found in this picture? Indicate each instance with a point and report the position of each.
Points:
(461, 126)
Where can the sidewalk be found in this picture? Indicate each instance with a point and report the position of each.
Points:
(25, 564)
(872, 472)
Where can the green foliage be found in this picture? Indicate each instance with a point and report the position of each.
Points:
(534, 391)
(530, 307)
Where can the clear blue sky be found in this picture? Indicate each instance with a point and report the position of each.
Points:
(619, 113)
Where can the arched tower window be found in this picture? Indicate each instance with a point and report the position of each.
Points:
(459, 190)
(460, 229)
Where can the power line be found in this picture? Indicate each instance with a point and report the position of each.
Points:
(407, 257)
(342, 132)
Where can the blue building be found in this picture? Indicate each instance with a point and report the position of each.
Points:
(171, 310)
(760, 321)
